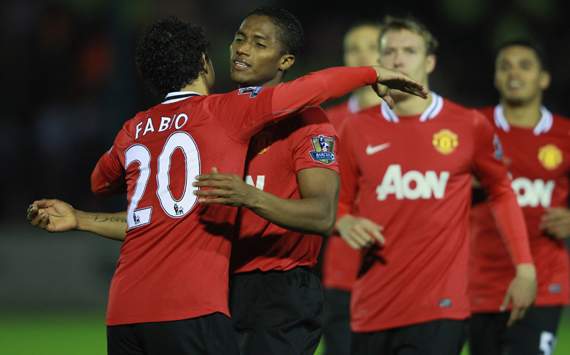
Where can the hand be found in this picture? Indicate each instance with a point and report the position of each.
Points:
(225, 189)
(359, 232)
(521, 292)
(556, 222)
(52, 215)
(391, 79)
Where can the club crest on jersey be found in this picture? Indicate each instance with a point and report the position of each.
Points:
(324, 149)
(550, 156)
(445, 141)
(253, 91)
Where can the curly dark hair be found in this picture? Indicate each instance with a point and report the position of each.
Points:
(169, 54)
(290, 29)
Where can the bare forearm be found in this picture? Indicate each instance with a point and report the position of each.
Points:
(107, 225)
(310, 215)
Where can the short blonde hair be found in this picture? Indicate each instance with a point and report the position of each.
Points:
(390, 23)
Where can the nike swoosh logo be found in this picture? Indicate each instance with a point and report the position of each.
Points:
(373, 149)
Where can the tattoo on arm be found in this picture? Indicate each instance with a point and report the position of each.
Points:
(104, 219)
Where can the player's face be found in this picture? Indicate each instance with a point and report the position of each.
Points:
(361, 46)
(405, 51)
(519, 77)
(256, 53)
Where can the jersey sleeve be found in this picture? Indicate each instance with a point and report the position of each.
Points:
(247, 110)
(494, 177)
(108, 175)
(315, 144)
(348, 171)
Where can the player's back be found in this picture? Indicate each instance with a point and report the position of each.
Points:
(174, 261)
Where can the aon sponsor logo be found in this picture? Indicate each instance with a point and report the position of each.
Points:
(412, 185)
(533, 193)
(259, 181)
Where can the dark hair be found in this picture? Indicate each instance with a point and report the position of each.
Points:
(169, 54)
(290, 29)
(527, 43)
(390, 23)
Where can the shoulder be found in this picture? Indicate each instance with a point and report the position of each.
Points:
(476, 116)
(561, 124)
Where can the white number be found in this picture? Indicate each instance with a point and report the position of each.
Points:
(137, 217)
(547, 343)
(182, 141)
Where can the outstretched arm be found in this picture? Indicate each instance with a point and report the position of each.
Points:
(58, 216)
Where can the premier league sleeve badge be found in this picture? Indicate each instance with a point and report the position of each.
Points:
(323, 149)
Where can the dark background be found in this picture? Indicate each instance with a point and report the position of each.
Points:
(68, 83)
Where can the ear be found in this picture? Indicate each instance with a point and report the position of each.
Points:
(205, 63)
(544, 80)
(286, 61)
(430, 63)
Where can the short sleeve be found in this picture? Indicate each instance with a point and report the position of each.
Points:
(315, 144)
(108, 175)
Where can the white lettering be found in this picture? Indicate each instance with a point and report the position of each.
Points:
(533, 193)
(139, 128)
(259, 182)
(177, 123)
(412, 185)
(164, 124)
(149, 127)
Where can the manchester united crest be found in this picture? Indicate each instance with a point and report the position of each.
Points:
(445, 141)
(550, 156)
(324, 149)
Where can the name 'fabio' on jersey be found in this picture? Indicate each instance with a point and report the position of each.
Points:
(539, 160)
(412, 175)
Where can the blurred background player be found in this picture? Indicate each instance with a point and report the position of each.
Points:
(272, 260)
(536, 147)
(340, 261)
(406, 177)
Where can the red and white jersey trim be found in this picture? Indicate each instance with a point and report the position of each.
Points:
(430, 112)
(544, 124)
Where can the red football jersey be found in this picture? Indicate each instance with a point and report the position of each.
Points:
(338, 113)
(340, 261)
(174, 262)
(275, 157)
(538, 159)
(412, 175)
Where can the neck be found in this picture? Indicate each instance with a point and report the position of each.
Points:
(409, 105)
(277, 79)
(198, 86)
(522, 115)
(366, 97)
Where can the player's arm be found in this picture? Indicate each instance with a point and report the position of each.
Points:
(312, 90)
(493, 176)
(58, 216)
(313, 213)
(357, 232)
(108, 175)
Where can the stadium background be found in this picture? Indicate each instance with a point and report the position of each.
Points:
(68, 83)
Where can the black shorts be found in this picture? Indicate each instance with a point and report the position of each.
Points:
(534, 334)
(277, 312)
(438, 337)
(212, 334)
(336, 322)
